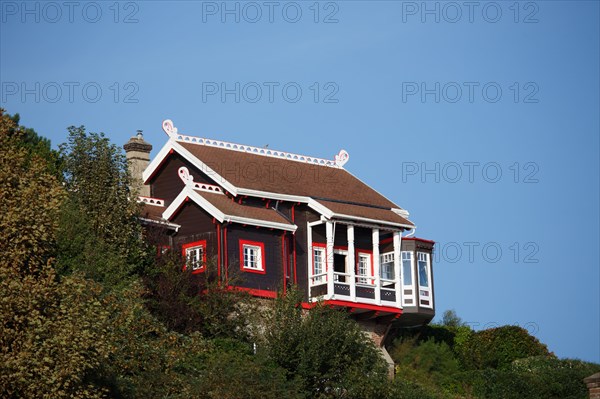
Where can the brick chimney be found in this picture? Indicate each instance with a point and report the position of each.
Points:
(137, 152)
(593, 384)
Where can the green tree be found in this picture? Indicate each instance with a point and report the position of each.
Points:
(99, 231)
(30, 199)
(498, 347)
(50, 331)
(34, 144)
(325, 349)
(451, 319)
(231, 370)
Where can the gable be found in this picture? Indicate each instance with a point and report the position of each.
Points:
(165, 183)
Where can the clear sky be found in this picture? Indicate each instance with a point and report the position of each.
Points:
(479, 118)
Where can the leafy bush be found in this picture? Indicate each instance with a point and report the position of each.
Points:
(557, 378)
(498, 347)
(230, 369)
(325, 349)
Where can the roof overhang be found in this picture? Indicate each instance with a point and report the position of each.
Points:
(188, 193)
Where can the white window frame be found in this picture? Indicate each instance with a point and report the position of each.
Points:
(411, 259)
(386, 266)
(363, 278)
(320, 266)
(252, 257)
(195, 255)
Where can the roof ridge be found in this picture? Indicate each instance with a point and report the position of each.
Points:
(338, 162)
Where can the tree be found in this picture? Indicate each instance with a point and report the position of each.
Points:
(100, 215)
(451, 319)
(325, 349)
(50, 331)
(498, 347)
(34, 144)
(30, 199)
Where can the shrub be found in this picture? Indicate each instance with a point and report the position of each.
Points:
(498, 347)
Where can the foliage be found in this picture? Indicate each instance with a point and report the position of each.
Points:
(34, 145)
(499, 347)
(430, 364)
(325, 349)
(88, 326)
(51, 337)
(557, 378)
(100, 214)
(231, 370)
(451, 319)
(30, 199)
(187, 302)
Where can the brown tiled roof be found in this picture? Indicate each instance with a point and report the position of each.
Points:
(152, 212)
(385, 215)
(264, 173)
(232, 208)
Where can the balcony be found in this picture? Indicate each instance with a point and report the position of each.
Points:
(393, 276)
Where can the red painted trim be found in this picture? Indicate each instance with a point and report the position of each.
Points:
(312, 258)
(356, 260)
(219, 254)
(417, 239)
(283, 261)
(354, 305)
(200, 243)
(160, 165)
(386, 240)
(225, 249)
(255, 292)
(262, 256)
(294, 245)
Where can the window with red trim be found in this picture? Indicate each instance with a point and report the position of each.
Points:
(364, 267)
(195, 255)
(252, 256)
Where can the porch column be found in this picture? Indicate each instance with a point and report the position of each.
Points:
(397, 267)
(329, 257)
(376, 266)
(351, 265)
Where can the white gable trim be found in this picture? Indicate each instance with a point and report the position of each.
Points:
(217, 214)
(153, 166)
(172, 145)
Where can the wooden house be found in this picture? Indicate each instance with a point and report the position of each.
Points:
(277, 219)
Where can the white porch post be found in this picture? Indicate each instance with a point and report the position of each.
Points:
(397, 266)
(376, 266)
(329, 257)
(351, 263)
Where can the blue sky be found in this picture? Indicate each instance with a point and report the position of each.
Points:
(480, 120)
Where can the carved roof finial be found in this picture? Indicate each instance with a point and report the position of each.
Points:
(169, 128)
(184, 175)
(342, 158)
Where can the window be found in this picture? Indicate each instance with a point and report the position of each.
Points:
(386, 262)
(251, 256)
(407, 267)
(423, 261)
(362, 271)
(195, 255)
(318, 263)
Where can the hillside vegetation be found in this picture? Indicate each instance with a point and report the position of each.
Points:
(89, 310)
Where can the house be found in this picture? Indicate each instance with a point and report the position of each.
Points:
(275, 219)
